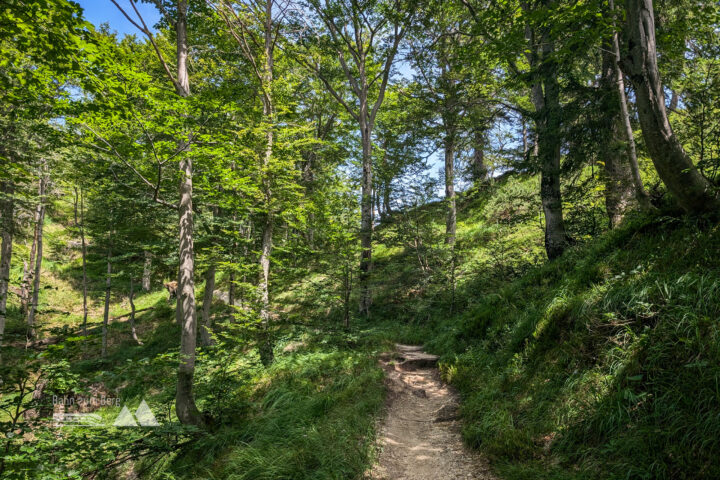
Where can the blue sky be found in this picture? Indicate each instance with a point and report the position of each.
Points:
(103, 11)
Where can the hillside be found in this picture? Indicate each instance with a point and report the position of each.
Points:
(602, 364)
(359, 240)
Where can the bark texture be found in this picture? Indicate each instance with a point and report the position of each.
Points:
(147, 272)
(7, 223)
(38, 256)
(619, 188)
(206, 327)
(185, 408)
(106, 306)
(451, 221)
(692, 191)
(545, 96)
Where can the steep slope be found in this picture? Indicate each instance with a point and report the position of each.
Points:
(603, 364)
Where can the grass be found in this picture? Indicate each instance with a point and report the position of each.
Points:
(603, 364)
(311, 415)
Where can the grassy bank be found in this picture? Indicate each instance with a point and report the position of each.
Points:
(603, 364)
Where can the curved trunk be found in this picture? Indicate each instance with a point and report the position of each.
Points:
(641, 195)
(692, 191)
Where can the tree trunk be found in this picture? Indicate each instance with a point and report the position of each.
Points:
(675, 168)
(147, 272)
(641, 195)
(549, 145)
(545, 96)
(7, 209)
(266, 250)
(366, 214)
(206, 327)
(451, 222)
(347, 290)
(81, 228)
(265, 344)
(106, 307)
(38, 243)
(185, 408)
(132, 312)
(479, 170)
(28, 268)
(266, 351)
(376, 199)
(387, 189)
(231, 289)
(619, 189)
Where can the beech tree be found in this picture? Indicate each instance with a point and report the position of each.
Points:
(692, 191)
(364, 38)
(186, 312)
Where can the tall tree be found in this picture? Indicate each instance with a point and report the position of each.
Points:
(254, 25)
(619, 186)
(692, 191)
(38, 251)
(80, 225)
(364, 37)
(641, 196)
(186, 312)
(7, 223)
(545, 96)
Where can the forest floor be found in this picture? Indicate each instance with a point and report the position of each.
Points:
(420, 435)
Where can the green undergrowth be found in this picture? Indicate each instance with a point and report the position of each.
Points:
(310, 415)
(602, 364)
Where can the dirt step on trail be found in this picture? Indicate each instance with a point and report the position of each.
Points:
(420, 435)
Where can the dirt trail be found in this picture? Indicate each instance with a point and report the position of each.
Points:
(420, 436)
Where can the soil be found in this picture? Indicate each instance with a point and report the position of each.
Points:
(420, 435)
